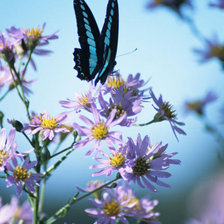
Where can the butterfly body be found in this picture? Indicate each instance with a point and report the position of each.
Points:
(98, 50)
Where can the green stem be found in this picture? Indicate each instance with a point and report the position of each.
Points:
(5, 94)
(2, 176)
(28, 138)
(65, 208)
(150, 122)
(28, 61)
(42, 195)
(64, 150)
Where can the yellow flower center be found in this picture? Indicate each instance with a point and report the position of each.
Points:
(168, 111)
(35, 33)
(1, 45)
(111, 208)
(84, 101)
(67, 127)
(141, 167)
(117, 161)
(119, 110)
(17, 213)
(115, 82)
(49, 123)
(133, 199)
(21, 174)
(100, 131)
(3, 154)
(217, 51)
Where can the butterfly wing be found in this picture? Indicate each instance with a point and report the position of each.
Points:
(88, 58)
(108, 41)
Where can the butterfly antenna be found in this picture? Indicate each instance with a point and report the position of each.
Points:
(130, 52)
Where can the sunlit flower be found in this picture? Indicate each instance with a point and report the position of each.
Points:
(114, 205)
(166, 112)
(19, 175)
(114, 162)
(132, 84)
(198, 106)
(124, 103)
(218, 4)
(147, 163)
(175, 5)
(213, 49)
(98, 131)
(47, 125)
(82, 101)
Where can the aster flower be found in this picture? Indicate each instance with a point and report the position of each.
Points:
(165, 112)
(218, 4)
(175, 5)
(46, 125)
(114, 206)
(98, 130)
(147, 163)
(124, 104)
(5, 76)
(6, 213)
(198, 106)
(132, 84)
(23, 212)
(114, 162)
(6, 49)
(8, 148)
(213, 49)
(19, 175)
(82, 101)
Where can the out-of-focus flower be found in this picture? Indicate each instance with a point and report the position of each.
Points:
(98, 130)
(217, 4)
(23, 212)
(47, 125)
(124, 103)
(6, 49)
(6, 213)
(175, 5)
(5, 76)
(198, 106)
(116, 161)
(147, 163)
(82, 101)
(165, 112)
(19, 175)
(213, 49)
(115, 205)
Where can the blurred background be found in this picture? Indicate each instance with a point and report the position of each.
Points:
(164, 55)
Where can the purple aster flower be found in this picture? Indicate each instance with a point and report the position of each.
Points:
(6, 49)
(98, 130)
(175, 5)
(82, 101)
(213, 49)
(115, 205)
(218, 4)
(8, 148)
(6, 213)
(165, 112)
(19, 175)
(47, 125)
(124, 103)
(147, 163)
(23, 212)
(133, 84)
(5, 76)
(198, 106)
(115, 162)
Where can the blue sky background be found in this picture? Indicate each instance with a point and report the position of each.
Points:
(164, 56)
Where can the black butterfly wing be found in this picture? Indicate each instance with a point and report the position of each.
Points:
(108, 41)
(88, 58)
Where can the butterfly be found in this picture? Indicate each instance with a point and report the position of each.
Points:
(98, 50)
